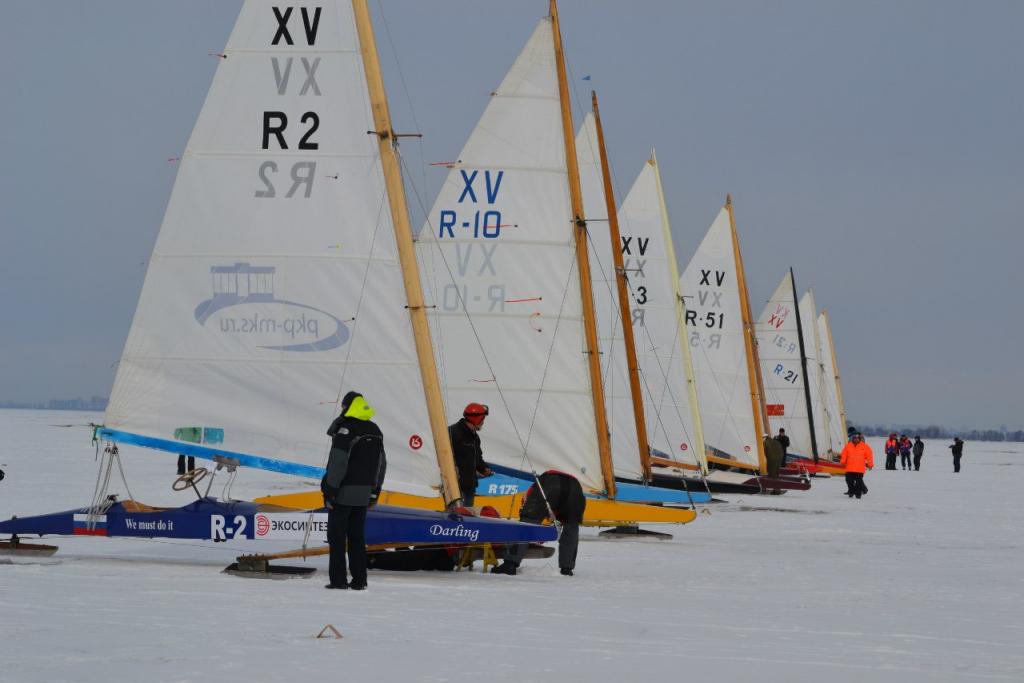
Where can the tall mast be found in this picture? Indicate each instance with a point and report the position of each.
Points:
(624, 310)
(835, 370)
(583, 262)
(803, 366)
(684, 342)
(406, 254)
(753, 362)
(822, 391)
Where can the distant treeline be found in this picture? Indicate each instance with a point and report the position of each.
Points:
(936, 432)
(96, 403)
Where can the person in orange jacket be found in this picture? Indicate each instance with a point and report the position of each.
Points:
(892, 449)
(856, 457)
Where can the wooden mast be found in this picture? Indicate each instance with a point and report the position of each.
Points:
(406, 254)
(753, 362)
(583, 262)
(625, 314)
(835, 370)
(691, 385)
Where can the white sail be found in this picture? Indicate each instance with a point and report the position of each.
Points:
(658, 317)
(779, 350)
(499, 262)
(715, 326)
(274, 285)
(808, 317)
(831, 402)
(614, 364)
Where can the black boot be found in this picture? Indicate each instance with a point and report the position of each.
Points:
(504, 568)
(566, 571)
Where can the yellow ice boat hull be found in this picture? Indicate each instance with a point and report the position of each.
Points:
(599, 512)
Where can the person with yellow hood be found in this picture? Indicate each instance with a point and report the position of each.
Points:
(352, 483)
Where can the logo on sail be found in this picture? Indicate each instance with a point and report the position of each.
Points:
(243, 305)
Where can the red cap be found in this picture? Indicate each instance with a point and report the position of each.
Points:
(475, 413)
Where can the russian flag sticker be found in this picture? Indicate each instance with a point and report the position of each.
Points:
(90, 525)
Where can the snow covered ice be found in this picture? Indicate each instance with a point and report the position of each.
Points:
(918, 581)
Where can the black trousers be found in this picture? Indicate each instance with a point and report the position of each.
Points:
(956, 463)
(568, 544)
(917, 461)
(181, 464)
(346, 526)
(890, 461)
(905, 460)
(855, 484)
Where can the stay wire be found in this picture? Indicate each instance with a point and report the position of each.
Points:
(617, 324)
(615, 184)
(463, 304)
(355, 329)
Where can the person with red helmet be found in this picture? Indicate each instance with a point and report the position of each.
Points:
(469, 456)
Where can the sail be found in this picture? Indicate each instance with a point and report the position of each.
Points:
(808, 318)
(614, 364)
(274, 286)
(659, 323)
(716, 334)
(499, 264)
(779, 350)
(831, 401)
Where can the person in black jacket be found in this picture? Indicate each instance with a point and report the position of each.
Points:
(918, 452)
(354, 477)
(469, 456)
(558, 493)
(784, 442)
(958, 450)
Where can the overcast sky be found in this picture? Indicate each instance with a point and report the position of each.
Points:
(876, 147)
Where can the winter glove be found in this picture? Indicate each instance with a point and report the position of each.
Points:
(373, 500)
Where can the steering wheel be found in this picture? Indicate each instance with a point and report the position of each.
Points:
(190, 479)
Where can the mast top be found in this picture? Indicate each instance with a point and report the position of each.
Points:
(728, 197)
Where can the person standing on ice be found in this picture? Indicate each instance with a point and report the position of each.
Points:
(773, 455)
(352, 483)
(958, 450)
(892, 449)
(554, 493)
(918, 452)
(905, 447)
(856, 458)
(784, 442)
(469, 456)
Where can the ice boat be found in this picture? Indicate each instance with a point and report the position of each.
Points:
(284, 275)
(725, 357)
(211, 519)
